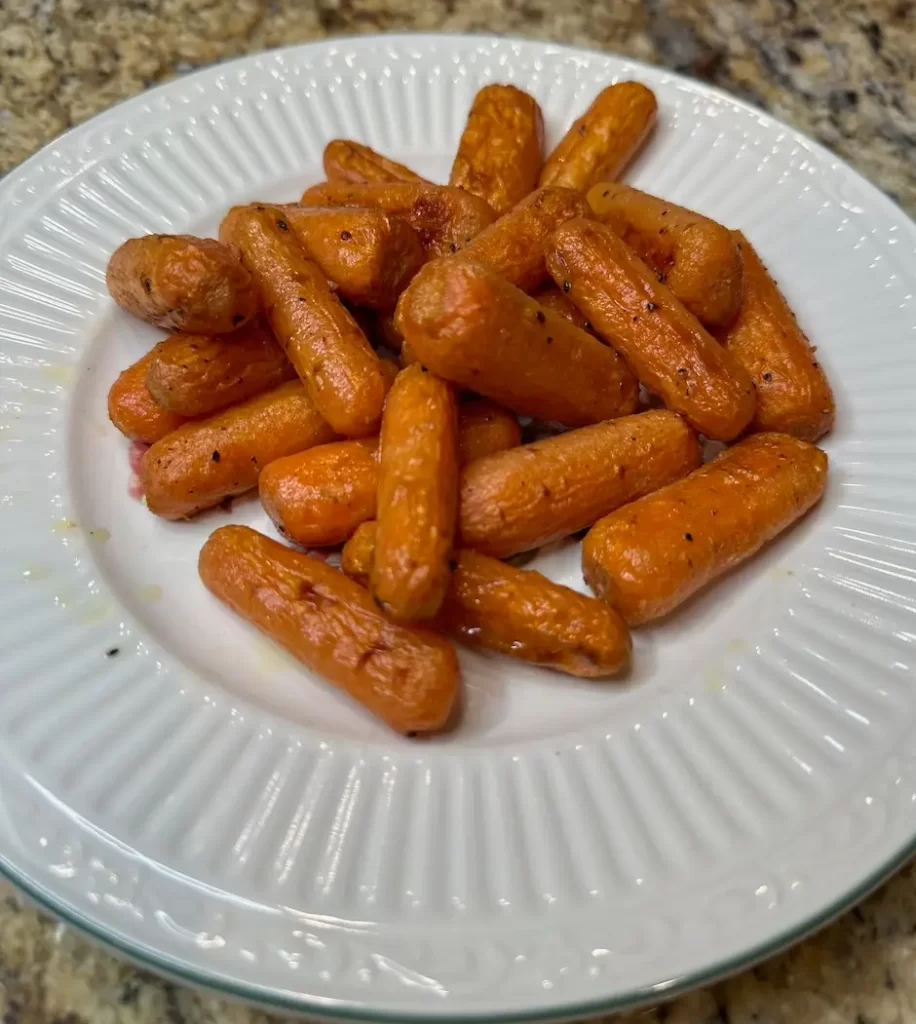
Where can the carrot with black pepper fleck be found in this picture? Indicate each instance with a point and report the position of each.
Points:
(369, 255)
(207, 460)
(694, 256)
(604, 139)
(320, 496)
(445, 218)
(667, 348)
(466, 323)
(651, 555)
(182, 283)
(517, 612)
(322, 340)
(793, 393)
(525, 497)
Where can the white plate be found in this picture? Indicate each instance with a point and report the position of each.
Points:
(201, 803)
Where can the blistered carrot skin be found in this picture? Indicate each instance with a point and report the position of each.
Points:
(517, 612)
(697, 258)
(650, 556)
(667, 348)
(417, 496)
(604, 140)
(320, 496)
(199, 374)
(793, 393)
(321, 339)
(205, 461)
(514, 245)
(369, 255)
(182, 283)
(345, 160)
(468, 325)
(134, 411)
(445, 218)
(409, 678)
(500, 151)
(529, 496)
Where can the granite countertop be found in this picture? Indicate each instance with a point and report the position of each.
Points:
(843, 71)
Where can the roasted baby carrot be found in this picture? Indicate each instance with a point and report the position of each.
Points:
(667, 348)
(553, 299)
(650, 556)
(322, 340)
(499, 154)
(603, 141)
(793, 393)
(417, 496)
(697, 258)
(134, 411)
(517, 612)
(445, 218)
(345, 160)
(369, 255)
(514, 245)
(199, 374)
(467, 324)
(526, 497)
(182, 283)
(409, 678)
(205, 461)
(318, 497)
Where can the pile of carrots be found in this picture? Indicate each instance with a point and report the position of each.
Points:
(528, 294)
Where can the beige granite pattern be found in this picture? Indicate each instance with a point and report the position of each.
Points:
(843, 71)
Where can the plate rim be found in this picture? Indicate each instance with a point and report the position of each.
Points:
(330, 1008)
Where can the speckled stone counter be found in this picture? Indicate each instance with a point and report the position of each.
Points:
(843, 71)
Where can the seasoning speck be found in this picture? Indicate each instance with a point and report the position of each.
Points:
(688, 536)
(147, 285)
(282, 225)
(112, 652)
(540, 317)
(215, 456)
(345, 236)
(768, 376)
(651, 305)
(566, 286)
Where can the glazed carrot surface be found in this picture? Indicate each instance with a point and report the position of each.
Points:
(793, 393)
(517, 612)
(667, 348)
(417, 496)
(409, 678)
(322, 340)
(651, 555)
